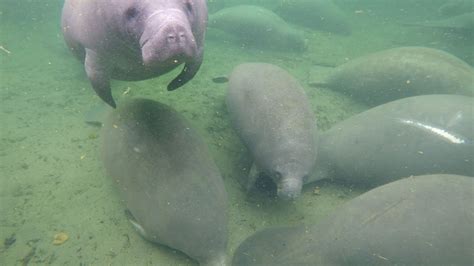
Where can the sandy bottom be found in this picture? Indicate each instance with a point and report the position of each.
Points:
(52, 180)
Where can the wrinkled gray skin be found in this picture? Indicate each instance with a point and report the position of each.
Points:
(421, 220)
(135, 39)
(259, 27)
(316, 14)
(167, 179)
(271, 114)
(412, 136)
(401, 72)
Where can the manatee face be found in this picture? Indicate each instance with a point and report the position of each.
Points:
(289, 179)
(163, 30)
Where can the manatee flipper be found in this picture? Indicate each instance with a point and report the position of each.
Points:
(135, 224)
(98, 77)
(189, 71)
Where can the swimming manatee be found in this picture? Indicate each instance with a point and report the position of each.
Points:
(167, 179)
(456, 7)
(272, 115)
(420, 220)
(316, 14)
(401, 72)
(135, 40)
(412, 136)
(463, 23)
(259, 27)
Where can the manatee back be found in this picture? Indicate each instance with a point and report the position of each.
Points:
(258, 26)
(411, 136)
(271, 113)
(236, 17)
(422, 220)
(316, 14)
(402, 72)
(166, 178)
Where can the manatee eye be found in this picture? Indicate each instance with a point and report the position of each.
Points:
(131, 13)
(189, 5)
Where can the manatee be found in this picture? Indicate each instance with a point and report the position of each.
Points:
(421, 220)
(135, 40)
(460, 23)
(411, 136)
(272, 115)
(316, 14)
(456, 7)
(258, 27)
(170, 185)
(401, 72)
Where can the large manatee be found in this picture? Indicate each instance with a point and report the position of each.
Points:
(272, 116)
(401, 72)
(259, 27)
(413, 136)
(134, 39)
(421, 220)
(167, 179)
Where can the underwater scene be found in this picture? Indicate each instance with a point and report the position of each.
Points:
(236, 132)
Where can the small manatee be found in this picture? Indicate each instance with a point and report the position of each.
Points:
(316, 14)
(258, 27)
(456, 7)
(463, 23)
(271, 114)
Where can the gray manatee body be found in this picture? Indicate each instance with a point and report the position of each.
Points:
(316, 14)
(402, 72)
(421, 220)
(135, 40)
(456, 7)
(167, 179)
(411, 136)
(460, 23)
(259, 27)
(271, 114)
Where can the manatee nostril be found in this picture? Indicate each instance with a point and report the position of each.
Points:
(171, 37)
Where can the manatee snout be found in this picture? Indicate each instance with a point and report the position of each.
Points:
(167, 37)
(289, 188)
